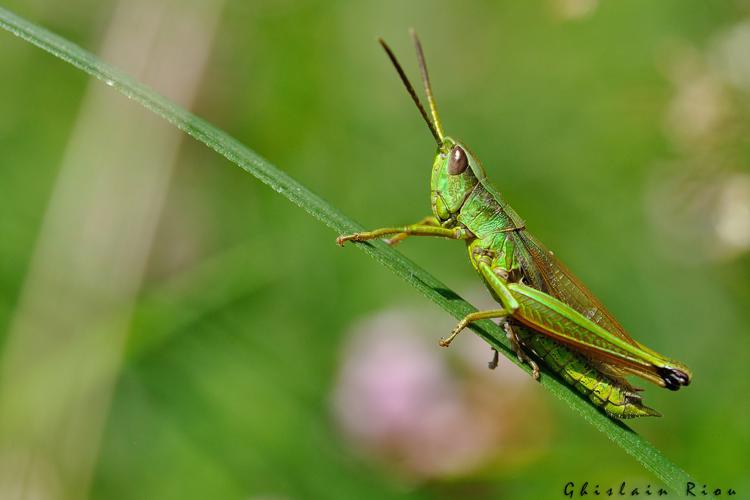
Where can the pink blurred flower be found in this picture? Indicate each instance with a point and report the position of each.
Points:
(396, 399)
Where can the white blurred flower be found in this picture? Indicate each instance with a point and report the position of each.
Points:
(730, 55)
(733, 213)
(574, 9)
(702, 201)
(700, 101)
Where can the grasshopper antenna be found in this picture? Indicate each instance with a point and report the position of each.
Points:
(438, 136)
(426, 81)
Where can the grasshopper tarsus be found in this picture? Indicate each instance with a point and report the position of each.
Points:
(351, 237)
(495, 359)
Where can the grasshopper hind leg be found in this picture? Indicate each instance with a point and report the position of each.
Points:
(519, 350)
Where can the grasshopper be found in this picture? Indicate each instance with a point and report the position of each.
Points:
(546, 312)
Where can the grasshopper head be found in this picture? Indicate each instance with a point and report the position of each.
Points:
(455, 170)
(455, 173)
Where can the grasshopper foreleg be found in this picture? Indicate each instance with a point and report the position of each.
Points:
(419, 229)
(430, 220)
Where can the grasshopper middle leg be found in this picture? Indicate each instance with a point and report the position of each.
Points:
(500, 290)
(471, 318)
(502, 293)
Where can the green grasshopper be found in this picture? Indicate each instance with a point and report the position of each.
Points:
(547, 313)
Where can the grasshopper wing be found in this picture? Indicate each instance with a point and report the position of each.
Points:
(546, 273)
(543, 271)
(552, 317)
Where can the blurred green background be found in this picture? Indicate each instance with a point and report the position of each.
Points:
(174, 329)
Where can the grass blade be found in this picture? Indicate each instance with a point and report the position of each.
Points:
(644, 452)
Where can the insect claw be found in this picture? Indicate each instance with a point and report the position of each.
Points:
(446, 342)
(344, 238)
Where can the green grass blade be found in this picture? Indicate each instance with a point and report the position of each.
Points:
(644, 452)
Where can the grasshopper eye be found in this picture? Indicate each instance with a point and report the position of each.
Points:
(458, 161)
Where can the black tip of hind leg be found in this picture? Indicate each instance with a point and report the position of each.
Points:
(673, 378)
